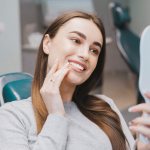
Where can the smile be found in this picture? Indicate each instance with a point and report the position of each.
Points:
(77, 66)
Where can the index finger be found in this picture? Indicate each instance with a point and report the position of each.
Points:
(145, 107)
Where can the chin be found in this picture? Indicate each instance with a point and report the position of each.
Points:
(75, 79)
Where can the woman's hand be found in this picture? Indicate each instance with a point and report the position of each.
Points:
(141, 124)
(50, 91)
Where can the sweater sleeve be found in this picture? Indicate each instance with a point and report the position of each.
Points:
(14, 133)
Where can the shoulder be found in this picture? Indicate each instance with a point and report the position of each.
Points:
(20, 105)
(110, 102)
(21, 111)
(106, 99)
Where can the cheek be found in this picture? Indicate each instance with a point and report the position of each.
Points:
(55, 52)
(64, 49)
(59, 54)
(94, 64)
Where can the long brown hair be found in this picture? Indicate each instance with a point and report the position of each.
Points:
(93, 108)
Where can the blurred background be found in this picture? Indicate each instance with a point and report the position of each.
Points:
(22, 23)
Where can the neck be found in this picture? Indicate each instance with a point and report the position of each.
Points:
(67, 90)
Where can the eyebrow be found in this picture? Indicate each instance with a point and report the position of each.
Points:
(84, 37)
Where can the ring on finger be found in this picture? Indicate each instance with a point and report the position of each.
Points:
(51, 80)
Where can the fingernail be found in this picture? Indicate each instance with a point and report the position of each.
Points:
(130, 123)
(67, 64)
(130, 127)
(130, 109)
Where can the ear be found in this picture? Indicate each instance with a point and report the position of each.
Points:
(46, 44)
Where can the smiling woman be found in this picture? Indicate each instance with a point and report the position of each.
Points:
(60, 114)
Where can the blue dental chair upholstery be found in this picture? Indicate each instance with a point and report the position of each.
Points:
(128, 42)
(15, 86)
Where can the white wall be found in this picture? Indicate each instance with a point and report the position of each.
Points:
(139, 10)
(10, 45)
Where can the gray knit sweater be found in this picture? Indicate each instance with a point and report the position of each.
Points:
(72, 132)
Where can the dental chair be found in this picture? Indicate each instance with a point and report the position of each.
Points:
(15, 86)
(128, 43)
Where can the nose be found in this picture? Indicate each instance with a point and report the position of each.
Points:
(83, 53)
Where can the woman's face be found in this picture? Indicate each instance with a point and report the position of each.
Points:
(78, 42)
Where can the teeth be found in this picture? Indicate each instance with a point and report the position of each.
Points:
(77, 65)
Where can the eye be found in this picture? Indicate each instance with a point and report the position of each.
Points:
(94, 51)
(75, 40)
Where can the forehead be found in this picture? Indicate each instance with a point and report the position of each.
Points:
(87, 27)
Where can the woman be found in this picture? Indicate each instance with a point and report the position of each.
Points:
(62, 115)
(141, 125)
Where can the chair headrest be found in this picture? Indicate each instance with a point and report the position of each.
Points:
(120, 15)
(17, 90)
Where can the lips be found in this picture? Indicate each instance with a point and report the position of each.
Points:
(77, 65)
